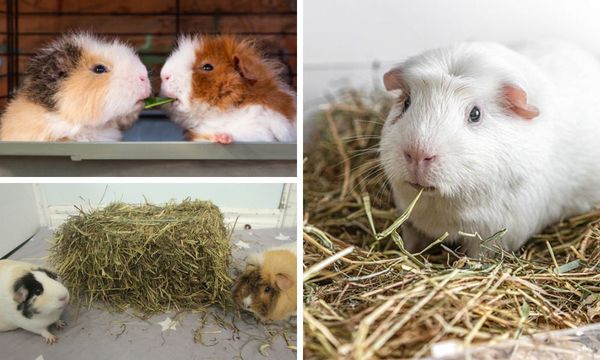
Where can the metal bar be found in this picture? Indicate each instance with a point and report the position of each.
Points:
(184, 13)
(144, 150)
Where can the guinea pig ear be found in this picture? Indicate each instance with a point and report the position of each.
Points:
(283, 281)
(393, 80)
(20, 295)
(245, 67)
(516, 100)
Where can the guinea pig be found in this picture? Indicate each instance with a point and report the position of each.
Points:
(496, 137)
(226, 91)
(31, 298)
(79, 88)
(267, 287)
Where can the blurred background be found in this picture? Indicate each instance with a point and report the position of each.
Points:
(351, 43)
(150, 26)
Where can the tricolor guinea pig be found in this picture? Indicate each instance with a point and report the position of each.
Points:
(267, 287)
(497, 138)
(226, 92)
(79, 88)
(31, 298)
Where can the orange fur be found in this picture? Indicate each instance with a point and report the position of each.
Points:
(24, 120)
(240, 77)
(89, 108)
(281, 262)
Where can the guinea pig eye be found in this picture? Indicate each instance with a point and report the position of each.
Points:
(406, 104)
(267, 289)
(475, 115)
(207, 67)
(37, 291)
(99, 69)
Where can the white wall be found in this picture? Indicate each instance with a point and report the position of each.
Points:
(19, 215)
(255, 204)
(342, 38)
(252, 196)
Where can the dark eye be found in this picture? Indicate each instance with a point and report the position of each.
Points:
(37, 291)
(267, 289)
(406, 104)
(475, 115)
(207, 67)
(99, 69)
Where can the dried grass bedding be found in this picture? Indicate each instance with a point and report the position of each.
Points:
(366, 297)
(147, 258)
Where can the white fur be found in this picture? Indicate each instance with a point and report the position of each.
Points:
(125, 89)
(176, 74)
(505, 171)
(245, 124)
(48, 304)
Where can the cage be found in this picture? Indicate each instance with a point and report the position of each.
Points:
(152, 28)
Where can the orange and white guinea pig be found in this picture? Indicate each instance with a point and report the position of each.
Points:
(79, 88)
(226, 91)
(267, 287)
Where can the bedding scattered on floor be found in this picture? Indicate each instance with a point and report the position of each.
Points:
(98, 334)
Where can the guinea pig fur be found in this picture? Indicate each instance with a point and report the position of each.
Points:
(31, 298)
(79, 88)
(226, 91)
(498, 138)
(268, 285)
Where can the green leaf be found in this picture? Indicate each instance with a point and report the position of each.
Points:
(570, 266)
(156, 101)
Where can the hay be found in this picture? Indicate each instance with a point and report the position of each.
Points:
(366, 297)
(148, 258)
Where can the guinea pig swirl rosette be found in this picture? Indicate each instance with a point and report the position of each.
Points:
(147, 258)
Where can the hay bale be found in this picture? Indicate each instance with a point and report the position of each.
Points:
(380, 301)
(146, 257)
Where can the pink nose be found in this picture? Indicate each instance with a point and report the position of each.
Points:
(64, 298)
(418, 157)
(143, 78)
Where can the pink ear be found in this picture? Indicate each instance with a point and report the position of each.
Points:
(394, 80)
(20, 295)
(516, 99)
(283, 281)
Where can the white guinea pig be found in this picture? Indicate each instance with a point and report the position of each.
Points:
(79, 88)
(227, 92)
(499, 138)
(31, 298)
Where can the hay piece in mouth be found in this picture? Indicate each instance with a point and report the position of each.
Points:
(151, 102)
(149, 258)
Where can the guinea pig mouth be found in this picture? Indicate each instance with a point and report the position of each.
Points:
(419, 187)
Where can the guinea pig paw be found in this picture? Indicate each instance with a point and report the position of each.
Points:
(49, 338)
(60, 324)
(223, 138)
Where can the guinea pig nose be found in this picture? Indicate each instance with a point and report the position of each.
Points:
(143, 78)
(166, 77)
(418, 156)
(63, 298)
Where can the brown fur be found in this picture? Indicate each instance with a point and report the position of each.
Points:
(278, 303)
(241, 77)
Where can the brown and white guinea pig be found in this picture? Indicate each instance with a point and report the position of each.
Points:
(79, 88)
(31, 298)
(268, 285)
(226, 91)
